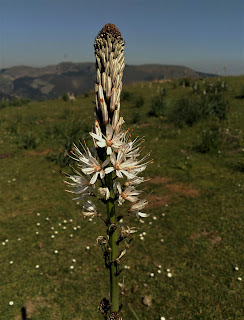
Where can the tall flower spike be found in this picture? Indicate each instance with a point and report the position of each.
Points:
(109, 53)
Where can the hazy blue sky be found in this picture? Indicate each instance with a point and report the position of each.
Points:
(203, 35)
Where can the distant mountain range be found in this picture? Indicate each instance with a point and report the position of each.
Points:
(53, 81)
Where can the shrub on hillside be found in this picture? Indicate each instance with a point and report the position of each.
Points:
(126, 95)
(27, 141)
(185, 112)
(214, 105)
(16, 102)
(241, 93)
(158, 106)
(211, 137)
(65, 97)
(185, 82)
(188, 111)
(139, 102)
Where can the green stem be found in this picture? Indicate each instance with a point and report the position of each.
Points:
(114, 283)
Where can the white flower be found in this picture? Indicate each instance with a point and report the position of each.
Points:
(104, 192)
(134, 181)
(121, 166)
(137, 207)
(132, 148)
(126, 232)
(79, 184)
(11, 303)
(90, 209)
(89, 164)
(130, 194)
(169, 275)
(112, 140)
(117, 187)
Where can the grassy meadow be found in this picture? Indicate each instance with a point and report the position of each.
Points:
(189, 261)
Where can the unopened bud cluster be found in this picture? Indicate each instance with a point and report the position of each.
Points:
(109, 52)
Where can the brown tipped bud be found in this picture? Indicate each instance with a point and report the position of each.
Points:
(110, 28)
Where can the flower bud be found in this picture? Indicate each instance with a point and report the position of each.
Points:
(109, 52)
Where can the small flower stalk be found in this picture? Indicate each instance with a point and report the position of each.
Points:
(111, 171)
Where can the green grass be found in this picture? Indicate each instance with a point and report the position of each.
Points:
(196, 206)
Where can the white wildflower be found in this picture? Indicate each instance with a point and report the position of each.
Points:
(112, 140)
(89, 164)
(90, 209)
(130, 194)
(126, 232)
(104, 192)
(137, 207)
(128, 167)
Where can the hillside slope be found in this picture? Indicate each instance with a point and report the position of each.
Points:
(52, 81)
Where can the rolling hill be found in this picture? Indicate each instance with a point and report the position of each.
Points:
(52, 81)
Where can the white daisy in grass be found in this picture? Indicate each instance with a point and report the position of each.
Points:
(112, 140)
(137, 207)
(90, 209)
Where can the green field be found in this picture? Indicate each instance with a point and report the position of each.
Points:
(196, 203)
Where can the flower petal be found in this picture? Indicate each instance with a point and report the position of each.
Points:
(94, 178)
(108, 170)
